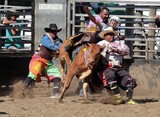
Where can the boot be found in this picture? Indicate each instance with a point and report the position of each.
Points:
(27, 83)
(55, 92)
(115, 89)
(129, 94)
(118, 99)
(56, 88)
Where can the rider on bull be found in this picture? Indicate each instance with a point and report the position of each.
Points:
(102, 17)
(96, 25)
(41, 62)
(113, 22)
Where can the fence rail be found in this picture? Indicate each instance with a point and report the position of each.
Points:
(145, 42)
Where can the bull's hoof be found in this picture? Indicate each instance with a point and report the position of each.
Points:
(60, 101)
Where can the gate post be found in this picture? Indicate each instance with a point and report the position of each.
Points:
(129, 32)
(152, 13)
(137, 33)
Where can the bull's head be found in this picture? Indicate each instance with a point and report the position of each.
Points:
(93, 53)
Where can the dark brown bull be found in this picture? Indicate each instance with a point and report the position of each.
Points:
(82, 66)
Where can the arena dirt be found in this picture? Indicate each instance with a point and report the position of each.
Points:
(37, 103)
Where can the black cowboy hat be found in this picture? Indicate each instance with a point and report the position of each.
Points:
(52, 28)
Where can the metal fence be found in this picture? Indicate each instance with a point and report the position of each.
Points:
(24, 24)
(137, 25)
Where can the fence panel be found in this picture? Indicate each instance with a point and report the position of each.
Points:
(24, 24)
(137, 26)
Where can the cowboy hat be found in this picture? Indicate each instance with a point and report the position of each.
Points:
(52, 28)
(106, 31)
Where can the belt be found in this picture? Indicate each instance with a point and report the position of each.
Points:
(44, 53)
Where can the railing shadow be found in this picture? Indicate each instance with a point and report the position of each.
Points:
(3, 113)
(4, 91)
(147, 100)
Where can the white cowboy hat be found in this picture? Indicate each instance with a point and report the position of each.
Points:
(106, 31)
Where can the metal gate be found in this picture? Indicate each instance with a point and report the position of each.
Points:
(138, 28)
(24, 23)
(51, 11)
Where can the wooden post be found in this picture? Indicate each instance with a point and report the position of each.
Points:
(137, 33)
(152, 13)
(6, 2)
(129, 32)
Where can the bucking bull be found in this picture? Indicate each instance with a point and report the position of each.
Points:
(82, 65)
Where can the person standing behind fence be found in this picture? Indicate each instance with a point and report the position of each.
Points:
(41, 64)
(12, 42)
(157, 20)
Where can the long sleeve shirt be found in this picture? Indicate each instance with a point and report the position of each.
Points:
(102, 24)
(114, 58)
(52, 45)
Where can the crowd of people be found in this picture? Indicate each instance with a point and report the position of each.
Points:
(114, 50)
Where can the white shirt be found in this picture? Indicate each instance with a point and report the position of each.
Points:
(115, 58)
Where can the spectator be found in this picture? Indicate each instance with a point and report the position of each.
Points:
(116, 76)
(157, 20)
(41, 63)
(12, 42)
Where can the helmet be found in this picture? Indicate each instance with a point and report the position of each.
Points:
(116, 18)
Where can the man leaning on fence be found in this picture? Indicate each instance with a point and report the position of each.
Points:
(12, 42)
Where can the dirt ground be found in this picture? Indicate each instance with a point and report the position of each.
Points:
(39, 104)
